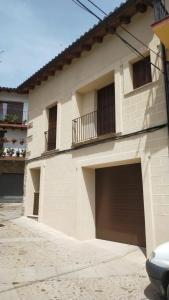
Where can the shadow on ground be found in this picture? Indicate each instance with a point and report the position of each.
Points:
(151, 293)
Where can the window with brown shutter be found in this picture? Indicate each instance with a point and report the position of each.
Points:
(106, 109)
(142, 72)
(52, 128)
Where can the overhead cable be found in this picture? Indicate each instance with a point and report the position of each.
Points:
(132, 48)
(122, 27)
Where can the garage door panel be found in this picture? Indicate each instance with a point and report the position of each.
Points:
(11, 184)
(119, 204)
(120, 237)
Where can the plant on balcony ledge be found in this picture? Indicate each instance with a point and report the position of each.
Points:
(10, 118)
(23, 153)
(17, 153)
(22, 141)
(2, 153)
(14, 140)
(10, 151)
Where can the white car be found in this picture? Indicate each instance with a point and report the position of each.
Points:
(157, 267)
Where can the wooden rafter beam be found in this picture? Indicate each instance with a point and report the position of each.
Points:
(125, 20)
(141, 7)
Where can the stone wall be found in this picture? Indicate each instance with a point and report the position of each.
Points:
(12, 166)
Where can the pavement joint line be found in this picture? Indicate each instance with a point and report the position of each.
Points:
(17, 286)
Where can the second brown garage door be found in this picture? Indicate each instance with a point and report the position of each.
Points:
(119, 204)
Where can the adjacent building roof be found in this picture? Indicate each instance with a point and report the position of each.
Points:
(7, 89)
(12, 90)
(121, 15)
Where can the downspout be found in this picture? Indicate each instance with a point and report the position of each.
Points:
(160, 12)
(166, 79)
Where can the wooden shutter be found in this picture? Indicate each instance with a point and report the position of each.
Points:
(52, 128)
(36, 204)
(142, 72)
(106, 110)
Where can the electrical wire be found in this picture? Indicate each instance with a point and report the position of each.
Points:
(108, 139)
(131, 47)
(78, 4)
(141, 42)
(95, 5)
(82, 5)
(135, 50)
(131, 34)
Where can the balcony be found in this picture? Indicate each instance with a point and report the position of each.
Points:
(50, 139)
(92, 126)
(7, 153)
(15, 118)
(161, 26)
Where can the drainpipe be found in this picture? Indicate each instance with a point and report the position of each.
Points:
(166, 79)
(160, 12)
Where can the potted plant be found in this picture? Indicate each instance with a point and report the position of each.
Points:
(10, 118)
(15, 119)
(2, 153)
(23, 153)
(22, 141)
(14, 140)
(17, 153)
(10, 151)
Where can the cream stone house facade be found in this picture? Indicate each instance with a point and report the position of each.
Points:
(97, 144)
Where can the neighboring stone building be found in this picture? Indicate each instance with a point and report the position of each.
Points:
(97, 161)
(13, 127)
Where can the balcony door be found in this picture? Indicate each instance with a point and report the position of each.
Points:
(106, 110)
(52, 128)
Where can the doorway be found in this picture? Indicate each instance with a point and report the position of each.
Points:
(35, 173)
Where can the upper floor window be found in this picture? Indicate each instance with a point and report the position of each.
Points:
(11, 112)
(52, 128)
(141, 72)
(106, 109)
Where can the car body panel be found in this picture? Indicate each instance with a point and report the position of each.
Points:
(162, 255)
(157, 267)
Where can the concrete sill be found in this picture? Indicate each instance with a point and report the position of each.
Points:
(13, 126)
(49, 153)
(12, 158)
(141, 88)
(100, 138)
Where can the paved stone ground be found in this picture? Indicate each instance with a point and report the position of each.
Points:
(37, 262)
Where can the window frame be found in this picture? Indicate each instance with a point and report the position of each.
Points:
(140, 79)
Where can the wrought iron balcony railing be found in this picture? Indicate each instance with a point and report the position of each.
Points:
(84, 128)
(93, 125)
(50, 139)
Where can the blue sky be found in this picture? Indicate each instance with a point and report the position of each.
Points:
(34, 31)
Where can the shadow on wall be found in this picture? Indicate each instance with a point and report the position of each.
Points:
(89, 181)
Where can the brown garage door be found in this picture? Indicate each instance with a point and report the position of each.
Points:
(119, 204)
